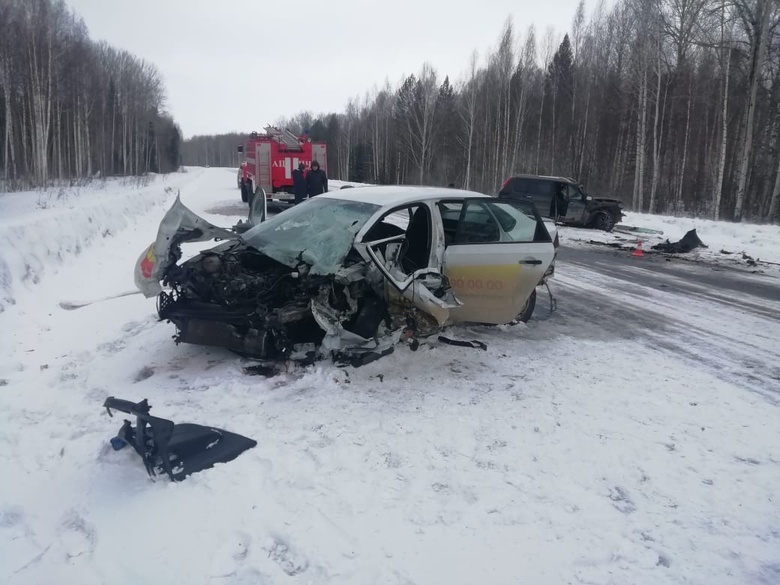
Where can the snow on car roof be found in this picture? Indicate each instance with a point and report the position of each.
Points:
(391, 195)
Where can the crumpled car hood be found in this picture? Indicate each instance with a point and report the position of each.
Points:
(320, 234)
(179, 224)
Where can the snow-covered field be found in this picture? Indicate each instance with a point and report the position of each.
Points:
(569, 452)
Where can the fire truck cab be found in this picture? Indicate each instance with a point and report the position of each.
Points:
(270, 159)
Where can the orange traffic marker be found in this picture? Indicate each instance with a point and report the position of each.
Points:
(638, 251)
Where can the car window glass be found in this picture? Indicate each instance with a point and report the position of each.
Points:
(522, 186)
(399, 218)
(546, 188)
(516, 225)
(477, 225)
(450, 215)
(391, 224)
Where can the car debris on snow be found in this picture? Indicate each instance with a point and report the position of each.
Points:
(177, 450)
(690, 241)
(630, 229)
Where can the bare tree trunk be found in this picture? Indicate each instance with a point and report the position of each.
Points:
(87, 141)
(26, 150)
(77, 138)
(469, 148)
(112, 147)
(724, 129)
(583, 137)
(773, 202)
(125, 141)
(552, 145)
(9, 170)
(641, 140)
(620, 154)
(376, 142)
(58, 140)
(681, 185)
(758, 54)
(539, 136)
(656, 137)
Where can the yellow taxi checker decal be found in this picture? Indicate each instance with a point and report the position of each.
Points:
(485, 280)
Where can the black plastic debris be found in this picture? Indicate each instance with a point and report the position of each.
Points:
(474, 343)
(262, 370)
(689, 241)
(749, 259)
(362, 359)
(175, 449)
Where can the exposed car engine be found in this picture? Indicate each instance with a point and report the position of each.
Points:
(237, 297)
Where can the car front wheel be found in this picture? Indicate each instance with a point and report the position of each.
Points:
(604, 221)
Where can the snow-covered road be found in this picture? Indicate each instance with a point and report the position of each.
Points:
(631, 437)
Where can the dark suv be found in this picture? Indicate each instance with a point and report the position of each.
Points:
(564, 200)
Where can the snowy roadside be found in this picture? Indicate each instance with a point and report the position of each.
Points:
(569, 451)
(726, 241)
(46, 231)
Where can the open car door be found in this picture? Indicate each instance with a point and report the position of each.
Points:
(405, 246)
(497, 253)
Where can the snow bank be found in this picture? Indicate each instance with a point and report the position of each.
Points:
(42, 230)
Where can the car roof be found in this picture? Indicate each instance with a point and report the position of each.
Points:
(393, 195)
(546, 178)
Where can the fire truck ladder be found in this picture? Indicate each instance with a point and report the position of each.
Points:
(284, 137)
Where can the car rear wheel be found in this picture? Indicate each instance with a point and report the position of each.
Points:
(604, 221)
(528, 309)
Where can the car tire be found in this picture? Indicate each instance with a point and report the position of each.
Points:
(244, 196)
(604, 221)
(528, 310)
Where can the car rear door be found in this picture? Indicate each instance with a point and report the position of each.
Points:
(499, 253)
(575, 210)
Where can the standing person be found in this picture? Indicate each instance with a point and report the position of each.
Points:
(316, 180)
(299, 183)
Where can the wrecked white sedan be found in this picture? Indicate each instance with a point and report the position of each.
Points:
(349, 274)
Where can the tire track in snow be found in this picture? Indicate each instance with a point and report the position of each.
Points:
(733, 340)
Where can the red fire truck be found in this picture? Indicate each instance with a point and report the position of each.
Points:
(270, 160)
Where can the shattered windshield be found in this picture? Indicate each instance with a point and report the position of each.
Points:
(320, 232)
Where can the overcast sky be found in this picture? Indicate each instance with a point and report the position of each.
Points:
(232, 65)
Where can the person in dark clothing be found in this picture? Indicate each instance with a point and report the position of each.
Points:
(299, 183)
(316, 180)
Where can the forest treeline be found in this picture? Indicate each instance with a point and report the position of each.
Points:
(672, 106)
(72, 108)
